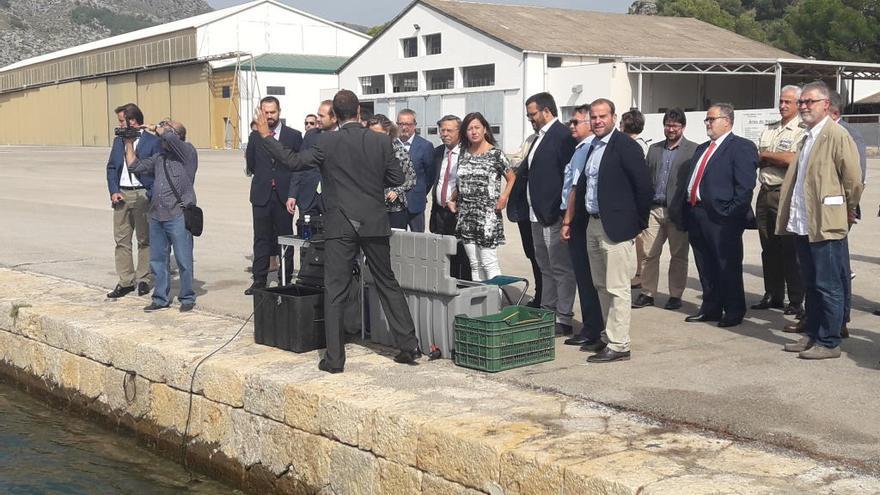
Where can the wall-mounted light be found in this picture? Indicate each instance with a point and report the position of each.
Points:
(416, 27)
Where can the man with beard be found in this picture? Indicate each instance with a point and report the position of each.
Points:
(174, 173)
(273, 195)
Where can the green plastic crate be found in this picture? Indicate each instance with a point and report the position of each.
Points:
(517, 336)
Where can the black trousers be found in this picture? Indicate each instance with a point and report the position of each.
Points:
(341, 291)
(591, 310)
(718, 252)
(528, 244)
(443, 222)
(778, 252)
(270, 221)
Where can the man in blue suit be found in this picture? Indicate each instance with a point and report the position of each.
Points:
(130, 197)
(716, 210)
(421, 152)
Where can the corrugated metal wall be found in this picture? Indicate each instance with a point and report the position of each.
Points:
(86, 107)
(223, 109)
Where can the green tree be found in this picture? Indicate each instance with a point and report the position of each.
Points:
(375, 30)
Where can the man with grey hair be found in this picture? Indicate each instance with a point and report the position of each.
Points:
(776, 149)
(421, 153)
(817, 204)
(716, 210)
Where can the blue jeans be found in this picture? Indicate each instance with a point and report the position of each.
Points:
(163, 237)
(824, 267)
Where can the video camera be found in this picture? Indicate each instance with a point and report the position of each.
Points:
(127, 132)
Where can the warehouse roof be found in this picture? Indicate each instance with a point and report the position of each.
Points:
(286, 62)
(162, 29)
(580, 32)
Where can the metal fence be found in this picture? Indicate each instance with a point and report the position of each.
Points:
(869, 127)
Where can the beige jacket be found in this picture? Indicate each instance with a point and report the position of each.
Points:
(833, 171)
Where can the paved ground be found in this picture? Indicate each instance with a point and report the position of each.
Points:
(56, 219)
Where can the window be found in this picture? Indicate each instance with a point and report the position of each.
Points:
(495, 129)
(554, 61)
(432, 44)
(227, 93)
(479, 75)
(432, 130)
(440, 79)
(405, 82)
(410, 47)
(275, 90)
(372, 85)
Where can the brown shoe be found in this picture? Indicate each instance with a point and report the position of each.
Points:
(800, 346)
(798, 327)
(819, 352)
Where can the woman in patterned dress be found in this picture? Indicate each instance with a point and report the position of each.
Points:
(480, 197)
(395, 197)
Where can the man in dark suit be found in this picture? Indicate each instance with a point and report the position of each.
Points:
(717, 209)
(421, 152)
(616, 189)
(271, 200)
(443, 220)
(130, 197)
(542, 171)
(358, 164)
(669, 162)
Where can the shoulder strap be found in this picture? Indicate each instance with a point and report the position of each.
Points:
(171, 184)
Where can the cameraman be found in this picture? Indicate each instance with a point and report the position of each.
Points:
(177, 162)
(130, 196)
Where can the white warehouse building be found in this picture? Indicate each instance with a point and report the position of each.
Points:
(442, 57)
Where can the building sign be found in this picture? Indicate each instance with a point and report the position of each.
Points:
(751, 123)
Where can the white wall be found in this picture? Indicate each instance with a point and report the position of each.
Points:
(595, 81)
(302, 96)
(270, 28)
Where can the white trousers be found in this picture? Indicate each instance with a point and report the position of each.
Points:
(484, 262)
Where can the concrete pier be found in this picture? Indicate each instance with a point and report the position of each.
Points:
(269, 422)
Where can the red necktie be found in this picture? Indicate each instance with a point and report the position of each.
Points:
(700, 172)
(446, 178)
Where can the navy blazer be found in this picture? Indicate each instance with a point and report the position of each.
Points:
(727, 183)
(148, 145)
(421, 152)
(265, 170)
(544, 175)
(624, 191)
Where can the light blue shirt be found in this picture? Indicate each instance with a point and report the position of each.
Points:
(592, 170)
(573, 169)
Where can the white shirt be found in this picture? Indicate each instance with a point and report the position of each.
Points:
(537, 143)
(126, 179)
(797, 216)
(697, 167)
(594, 162)
(453, 172)
(276, 133)
(573, 170)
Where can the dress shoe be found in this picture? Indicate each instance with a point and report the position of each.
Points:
(793, 309)
(729, 322)
(143, 289)
(608, 355)
(254, 286)
(798, 327)
(844, 332)
(576, 340)
(119, 291)
(154, 307)
(323, 366)
(408, 357)
(642, 301)
(767, 302)
(186, 308)
(673, 303)
(563, 329)
(819, 352)
(700, 317)
(593, 346)
(801, 345)
(800, 316)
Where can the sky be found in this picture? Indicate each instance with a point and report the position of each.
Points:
(373, 12)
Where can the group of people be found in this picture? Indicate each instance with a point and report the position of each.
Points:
(594, 205)
(150, 176)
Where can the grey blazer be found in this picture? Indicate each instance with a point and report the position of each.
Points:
(678, 178)
(860, 144)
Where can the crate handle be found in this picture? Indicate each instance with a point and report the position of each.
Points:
(511, 315)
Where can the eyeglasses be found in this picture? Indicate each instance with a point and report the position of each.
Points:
(309, 123)
(709, 120)
(531, 114)
(673, 126)
(809, 103)
(406, 124)
(576, 122)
